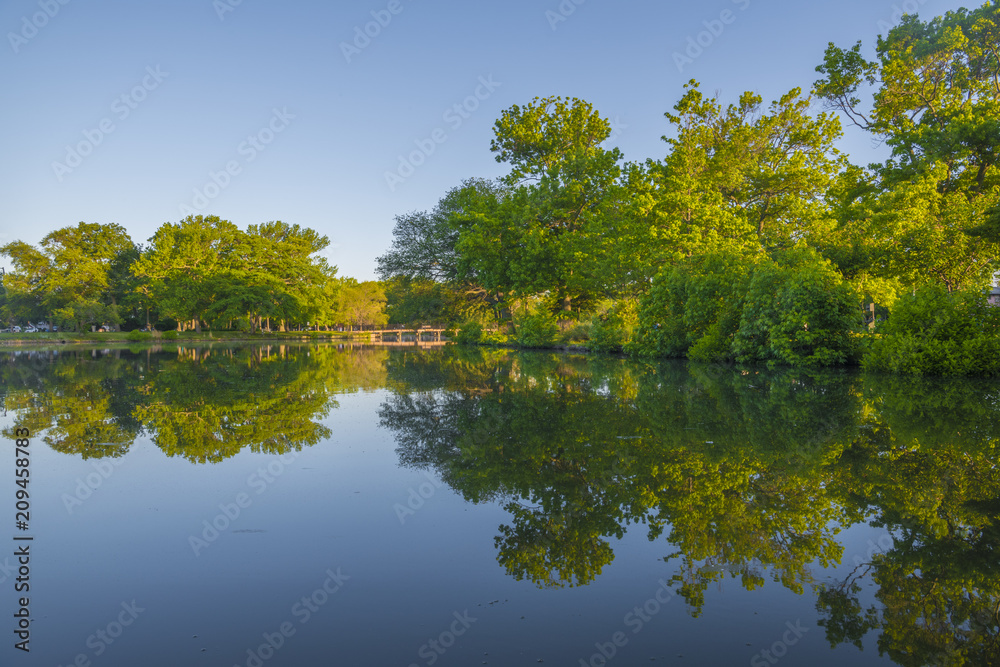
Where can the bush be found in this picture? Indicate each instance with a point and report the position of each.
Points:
(934, 332)
(611, 331)
(470, 333)
(798, 311)
(577, 332)
(724, 306)
(137, 335)
(538, 329)
(495, 337)
(170, 335)
(699, 298)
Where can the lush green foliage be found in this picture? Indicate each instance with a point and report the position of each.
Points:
(798, 311)
(537, 328)
(201, 271)
(707, 238)
(612, 329)
(470, 333)
(934, 332)
(73, 278)
(693, 307)
(721, 307)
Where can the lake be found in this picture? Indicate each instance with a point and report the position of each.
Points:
(363, 505)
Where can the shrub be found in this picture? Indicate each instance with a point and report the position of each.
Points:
(798, 311)
(577, 332)
(612, 330)
(537, 329)
(495, 337)
(170, 335)
(470, 333)
(936, 332)
(137, 335)
(699, 298)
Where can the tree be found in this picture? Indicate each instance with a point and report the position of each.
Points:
(740, 177)
(362, 304)
(70, 276)
(279, 259)
(936, 104)
(560, 176)
(177, 268)
(424, 258)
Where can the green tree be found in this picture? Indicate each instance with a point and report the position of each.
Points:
(560, 175)
(178, 268)
(736, 171)
(798, 311)
(937, 106)
(424, 263)
(70, 276)
(362, 304)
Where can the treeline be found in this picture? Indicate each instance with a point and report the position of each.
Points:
(201, 271)
(754, 238)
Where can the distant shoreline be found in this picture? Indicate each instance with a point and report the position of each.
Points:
(45, 339)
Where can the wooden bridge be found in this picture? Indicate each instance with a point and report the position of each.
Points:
(381, 334)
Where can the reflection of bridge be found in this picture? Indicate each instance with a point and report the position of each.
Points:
(381, 334)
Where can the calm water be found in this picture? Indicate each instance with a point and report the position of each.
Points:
(320, 506)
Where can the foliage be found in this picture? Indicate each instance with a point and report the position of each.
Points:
(693, 308)
(170, 335)
(611, 330)
(535, 238)
(470, 333)
(138, 335)
(739, 177)
(71, 276)
(537, 328)
(363, 304)
(798, 311)
(936, 332)
(923, 215)
(723, 306)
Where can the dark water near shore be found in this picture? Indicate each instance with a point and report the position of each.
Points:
(309, 505)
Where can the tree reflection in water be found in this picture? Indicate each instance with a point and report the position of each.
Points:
(745, 474)
(740, 474)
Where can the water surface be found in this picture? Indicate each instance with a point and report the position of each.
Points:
(316, 505)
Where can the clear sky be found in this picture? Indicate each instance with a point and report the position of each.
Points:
(139, 113)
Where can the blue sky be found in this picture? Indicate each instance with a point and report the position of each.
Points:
(138, 113)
